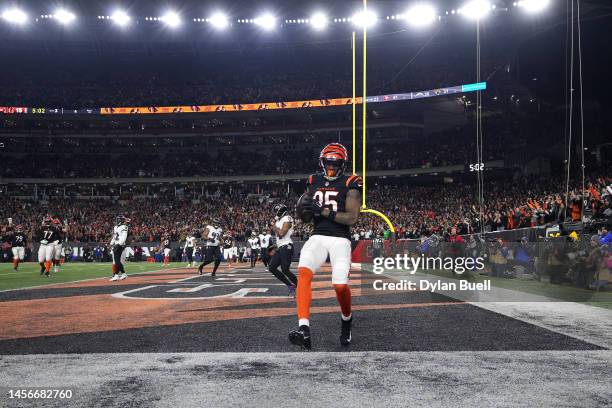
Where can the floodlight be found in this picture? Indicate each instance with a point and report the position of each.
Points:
(533, 6)
(476, 9)
(14, 16)
(171, 19)
(319, 21)
(266, 21)
(219, 20)
(364, 18)
(64, 16)
(121, 18)
(420, 15)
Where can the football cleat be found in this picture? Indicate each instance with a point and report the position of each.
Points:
(114, 278)
(47, 275)
(345, 332)
(301, 337)
(123, 276)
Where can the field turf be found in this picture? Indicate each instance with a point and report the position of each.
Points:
(28, 274)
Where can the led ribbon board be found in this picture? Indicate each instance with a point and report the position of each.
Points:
(315, 103)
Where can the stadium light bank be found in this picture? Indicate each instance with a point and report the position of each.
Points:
(267, 21)
(15, 16)
(64, 16)
(419, 14)
(121, 18)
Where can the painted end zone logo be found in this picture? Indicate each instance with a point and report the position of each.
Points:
(235, 284)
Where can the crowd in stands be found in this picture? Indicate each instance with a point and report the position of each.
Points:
(94, 82)
(416, 211)
(387, 150)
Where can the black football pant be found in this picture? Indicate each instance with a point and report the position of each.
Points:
(117, 252)
(265, 256)
(213, 254)
(254, 254)
(282, 257)
(189, 252)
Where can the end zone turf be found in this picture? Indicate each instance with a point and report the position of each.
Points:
(28, 275)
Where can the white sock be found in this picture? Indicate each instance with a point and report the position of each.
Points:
(304, 322)
(346, 318)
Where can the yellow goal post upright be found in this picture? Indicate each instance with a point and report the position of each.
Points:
(364, 208)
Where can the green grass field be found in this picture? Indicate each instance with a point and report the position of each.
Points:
(28, 274)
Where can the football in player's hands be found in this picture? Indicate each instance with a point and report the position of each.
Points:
(303, 207)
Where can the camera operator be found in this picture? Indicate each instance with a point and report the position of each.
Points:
(499, 259)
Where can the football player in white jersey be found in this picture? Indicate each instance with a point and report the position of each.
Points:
(282, 227)
(253, 243)
(166, 249)
(264, 244)
(212, 235)
(117, 244)
(189, 248)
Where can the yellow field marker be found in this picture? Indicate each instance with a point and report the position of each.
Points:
(364, 208)
(381, 215)
(354, 51)
(363, 102)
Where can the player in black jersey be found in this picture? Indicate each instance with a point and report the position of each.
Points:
(58, 248)
(18, 240)
(47, 237)
(334, 200)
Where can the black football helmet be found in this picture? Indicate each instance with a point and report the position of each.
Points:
(279, 210)
(121, 220)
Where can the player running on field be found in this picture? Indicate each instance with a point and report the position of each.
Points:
(212, 235)
(18, 241)
(283, 253)
(117, 245)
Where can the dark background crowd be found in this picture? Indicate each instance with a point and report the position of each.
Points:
(416, 211)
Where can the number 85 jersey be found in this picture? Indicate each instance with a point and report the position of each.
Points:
(332, 194)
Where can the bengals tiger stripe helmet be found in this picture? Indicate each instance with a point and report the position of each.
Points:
(333, 159)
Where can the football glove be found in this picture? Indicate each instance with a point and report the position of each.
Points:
(44, 242)
(316, 207)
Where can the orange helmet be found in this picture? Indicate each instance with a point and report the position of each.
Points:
(333, 159)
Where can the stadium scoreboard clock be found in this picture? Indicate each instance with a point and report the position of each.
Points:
(474, 167)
